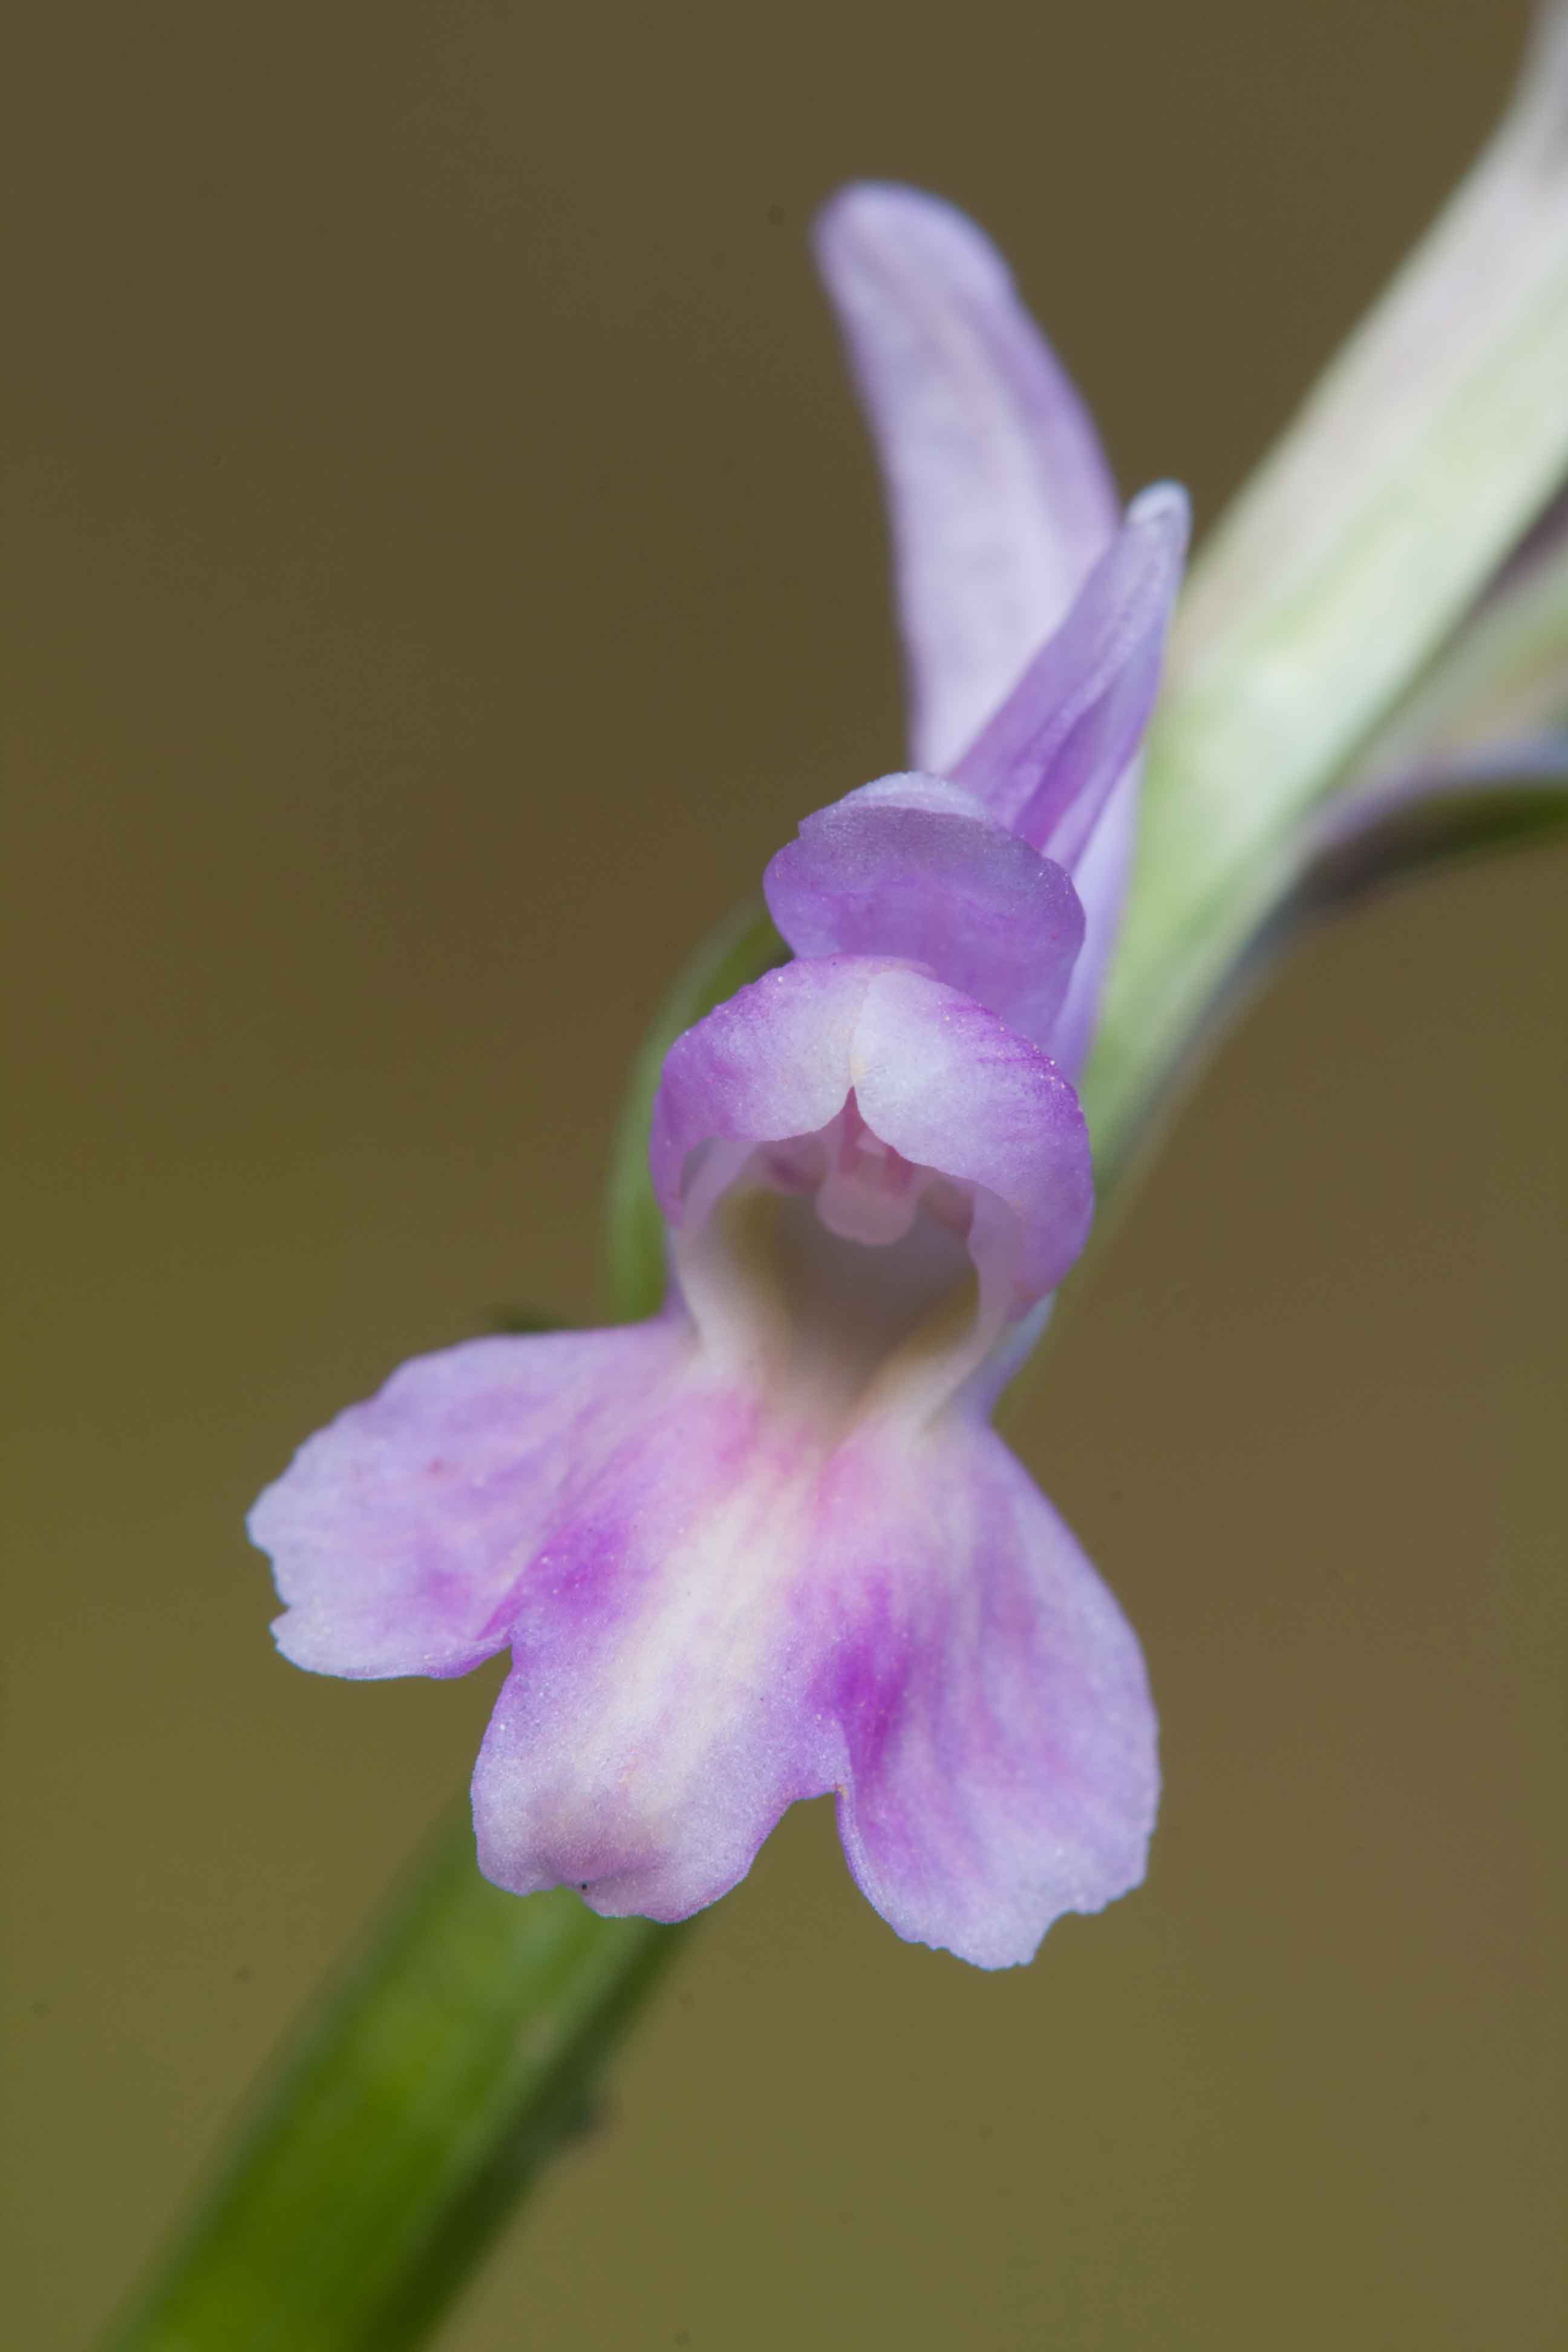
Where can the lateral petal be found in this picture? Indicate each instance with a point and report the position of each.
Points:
(1050, 760)
(1100, 876)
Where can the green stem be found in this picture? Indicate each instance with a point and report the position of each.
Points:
(405, 2123)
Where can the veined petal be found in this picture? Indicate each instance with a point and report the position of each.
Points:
(914, 866)
(1048, 761)
(737, 1620)
(999, 495)
(937, 1079)
(398, 1532)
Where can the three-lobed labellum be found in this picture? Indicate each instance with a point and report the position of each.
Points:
(764, 1546)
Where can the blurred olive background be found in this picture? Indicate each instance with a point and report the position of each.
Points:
(441, 563)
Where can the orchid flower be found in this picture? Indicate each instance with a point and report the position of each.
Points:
(764, 1546)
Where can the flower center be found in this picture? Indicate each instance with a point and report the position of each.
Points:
(840, 1271)
(865, 1191)
(870, 1193)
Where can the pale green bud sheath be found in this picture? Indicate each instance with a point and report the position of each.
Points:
(1498, 693)
(1429, 446)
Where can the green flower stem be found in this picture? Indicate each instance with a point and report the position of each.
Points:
(447, 2067)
